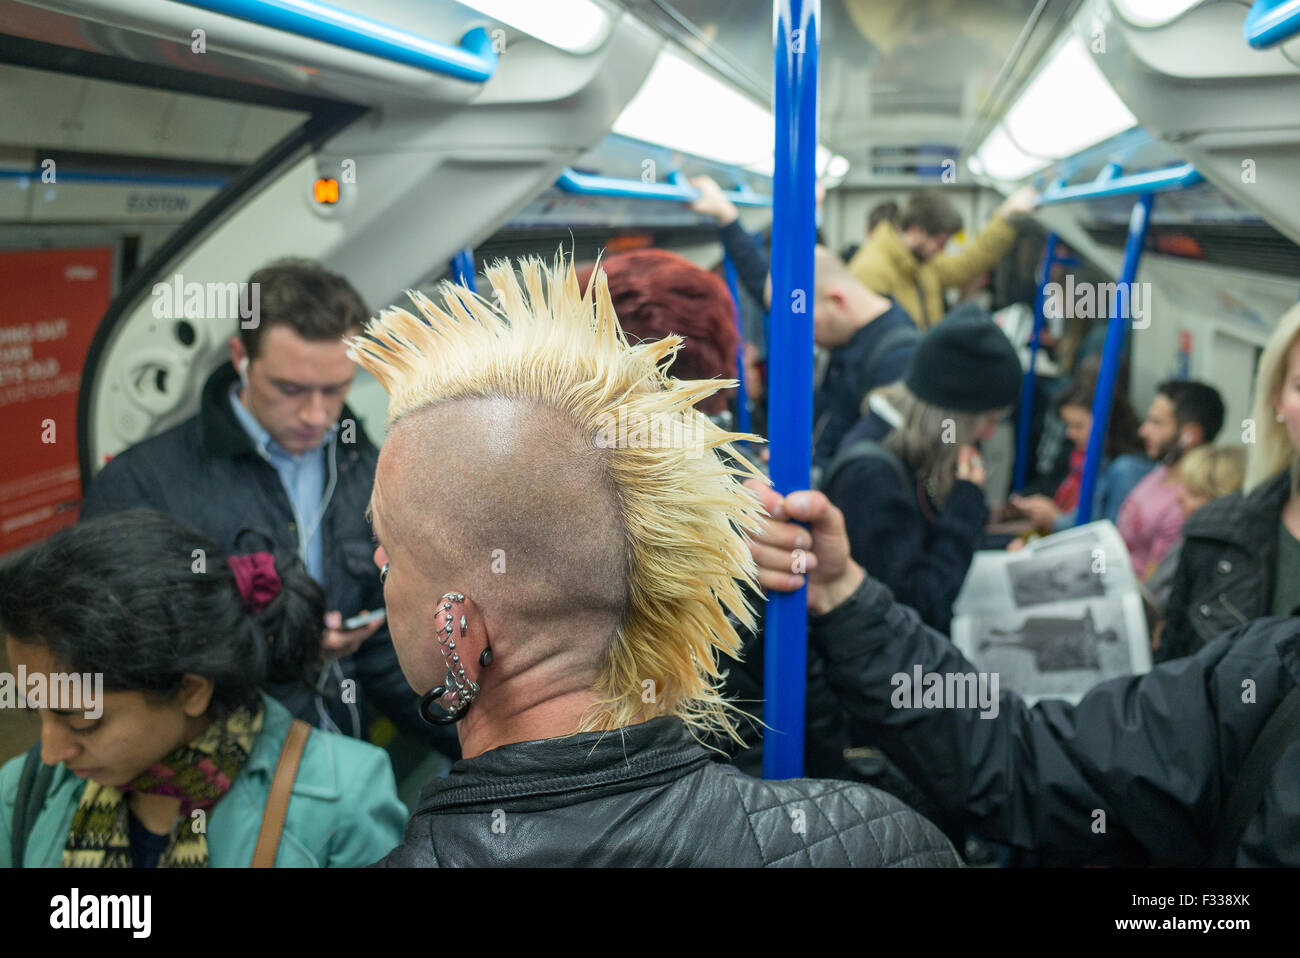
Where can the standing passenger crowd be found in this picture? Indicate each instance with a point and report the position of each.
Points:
(568, 608)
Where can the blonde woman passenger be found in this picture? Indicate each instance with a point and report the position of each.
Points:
(1240, 558)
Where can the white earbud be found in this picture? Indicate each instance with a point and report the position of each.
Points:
(243, 370)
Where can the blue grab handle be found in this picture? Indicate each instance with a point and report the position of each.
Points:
(1109, 183)
(742, 390)
(1270, 22)
(593, 184)
(474, 59)
(1115, 333)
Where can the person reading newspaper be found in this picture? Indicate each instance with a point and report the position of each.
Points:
(1195, 762)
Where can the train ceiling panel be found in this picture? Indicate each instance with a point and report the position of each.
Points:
(419, 165)
(898, 74)
(49, 110)
(636, 162)
(1208, 98)
(1231, 110)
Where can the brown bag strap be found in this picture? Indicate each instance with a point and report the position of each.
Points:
(277, 802)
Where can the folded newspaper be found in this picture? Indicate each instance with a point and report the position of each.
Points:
(1057, 617)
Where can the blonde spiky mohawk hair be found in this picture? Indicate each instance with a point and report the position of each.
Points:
(682, 506)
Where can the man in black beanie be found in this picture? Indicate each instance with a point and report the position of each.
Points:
(908, 476)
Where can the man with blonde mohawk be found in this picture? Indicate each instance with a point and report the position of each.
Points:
(564, 597)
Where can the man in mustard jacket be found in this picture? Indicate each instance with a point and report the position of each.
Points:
(906, 260)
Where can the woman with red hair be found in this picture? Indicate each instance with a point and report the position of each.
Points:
(657, 293)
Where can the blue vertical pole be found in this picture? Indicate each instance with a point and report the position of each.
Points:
(1115, 333)
(790, 358)
(1027, 384)
(462, 268)
(742, 392)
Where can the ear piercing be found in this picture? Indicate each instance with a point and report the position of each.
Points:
(462, 690)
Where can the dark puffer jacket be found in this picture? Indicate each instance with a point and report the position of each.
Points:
(1226, 569)
(1157, 754)
(206, 472)
(649, 795)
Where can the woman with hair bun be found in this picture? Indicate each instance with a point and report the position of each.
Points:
(170, 762)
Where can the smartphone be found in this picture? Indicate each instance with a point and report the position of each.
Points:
(357, 621)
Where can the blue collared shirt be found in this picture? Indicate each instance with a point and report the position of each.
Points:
(303, 478)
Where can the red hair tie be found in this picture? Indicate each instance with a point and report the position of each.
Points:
(256, 578)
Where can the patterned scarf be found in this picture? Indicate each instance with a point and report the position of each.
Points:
(199, 773)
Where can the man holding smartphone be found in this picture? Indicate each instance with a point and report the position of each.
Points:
(274, 448)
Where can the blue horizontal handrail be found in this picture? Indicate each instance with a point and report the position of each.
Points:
(142, 179)
(473, 60)
(593, 184)
(1269, 22)
(1109, 183)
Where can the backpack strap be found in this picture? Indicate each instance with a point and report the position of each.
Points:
(1279, 732)
(277, 801)
(864, 449)
(33, 784)
(890, 340)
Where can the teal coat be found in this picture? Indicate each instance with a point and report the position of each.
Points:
(343, 811)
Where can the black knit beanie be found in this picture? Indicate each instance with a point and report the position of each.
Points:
(965, 363)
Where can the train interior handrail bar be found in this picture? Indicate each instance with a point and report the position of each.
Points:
(796, 54)
(474, 59)
(1270, 22)
(1110, 182)
(1116, 332)
(594, 184)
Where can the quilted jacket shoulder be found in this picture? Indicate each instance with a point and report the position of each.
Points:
(648, 795)
(831, 823)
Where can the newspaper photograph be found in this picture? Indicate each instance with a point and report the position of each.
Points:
(1057, 617)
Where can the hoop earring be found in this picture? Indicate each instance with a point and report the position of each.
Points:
(434, 713)
(462, 690)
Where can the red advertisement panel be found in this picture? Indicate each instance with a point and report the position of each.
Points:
(53, 301)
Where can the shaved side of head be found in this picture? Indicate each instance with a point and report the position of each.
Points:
(479, 482)
(528, 428)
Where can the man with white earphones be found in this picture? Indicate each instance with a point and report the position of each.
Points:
(274, 447)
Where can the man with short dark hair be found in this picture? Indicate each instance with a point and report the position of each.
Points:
(273, 447)
(907, 262)
(1182, 416)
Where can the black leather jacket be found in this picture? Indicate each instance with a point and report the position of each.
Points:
(1226, 568)
(650, 795)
